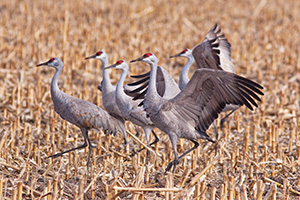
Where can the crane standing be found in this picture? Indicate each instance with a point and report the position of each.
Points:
(83, 114)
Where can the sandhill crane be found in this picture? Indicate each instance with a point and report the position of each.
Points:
(83, 114)
(184, 78)
(190, 113)
(213, 52)
(109, 91)
(129, 108)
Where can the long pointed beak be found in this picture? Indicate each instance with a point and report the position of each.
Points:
(138, 59)
(111, 66)
(176, 55)
(93, 56)
(45, 63)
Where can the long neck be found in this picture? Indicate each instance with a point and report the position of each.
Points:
(152, 90)
(56, 94)
(54, 86)
(106, 80)
(184, 77)
(120, 94)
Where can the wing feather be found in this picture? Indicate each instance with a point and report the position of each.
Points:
(214, 51)
(249, 92)
(143, 80)
(209, 91)
(140, 95)
(251, 84)
(165, 84)
(141, 75)
(86, 114)
(137, 90)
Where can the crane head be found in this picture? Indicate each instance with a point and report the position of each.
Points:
(53, 62)
(147, 58)
(185, 53)
(98, 55)
(120, 64)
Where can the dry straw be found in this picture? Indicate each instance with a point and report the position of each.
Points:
(257, 156)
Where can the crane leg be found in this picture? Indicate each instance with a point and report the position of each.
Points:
(125, 145)
(86, 143)
(174, 140)
(86, 138)
(225, 118)
(216, 129)
(61, 153)
(175, 161)
(156, 140)
(147, 157)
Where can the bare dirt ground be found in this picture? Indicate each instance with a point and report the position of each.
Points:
(258, 154)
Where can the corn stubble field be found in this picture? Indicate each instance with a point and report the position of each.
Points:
(257, 155)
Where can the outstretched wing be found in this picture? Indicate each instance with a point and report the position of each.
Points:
(207, 54)
(209, 91)
(215, 50)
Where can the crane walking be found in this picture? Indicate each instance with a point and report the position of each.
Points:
(83, 114)
(189, 114)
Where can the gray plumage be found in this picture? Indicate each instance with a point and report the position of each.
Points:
(190, 113)
(166, 85)
(184, 78)
(108, 90)
(129, 108)
(81, 113)
(215, 53)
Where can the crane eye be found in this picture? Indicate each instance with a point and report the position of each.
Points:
(99, 53)
(51, 60)
(147, 55)
(119, 62)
